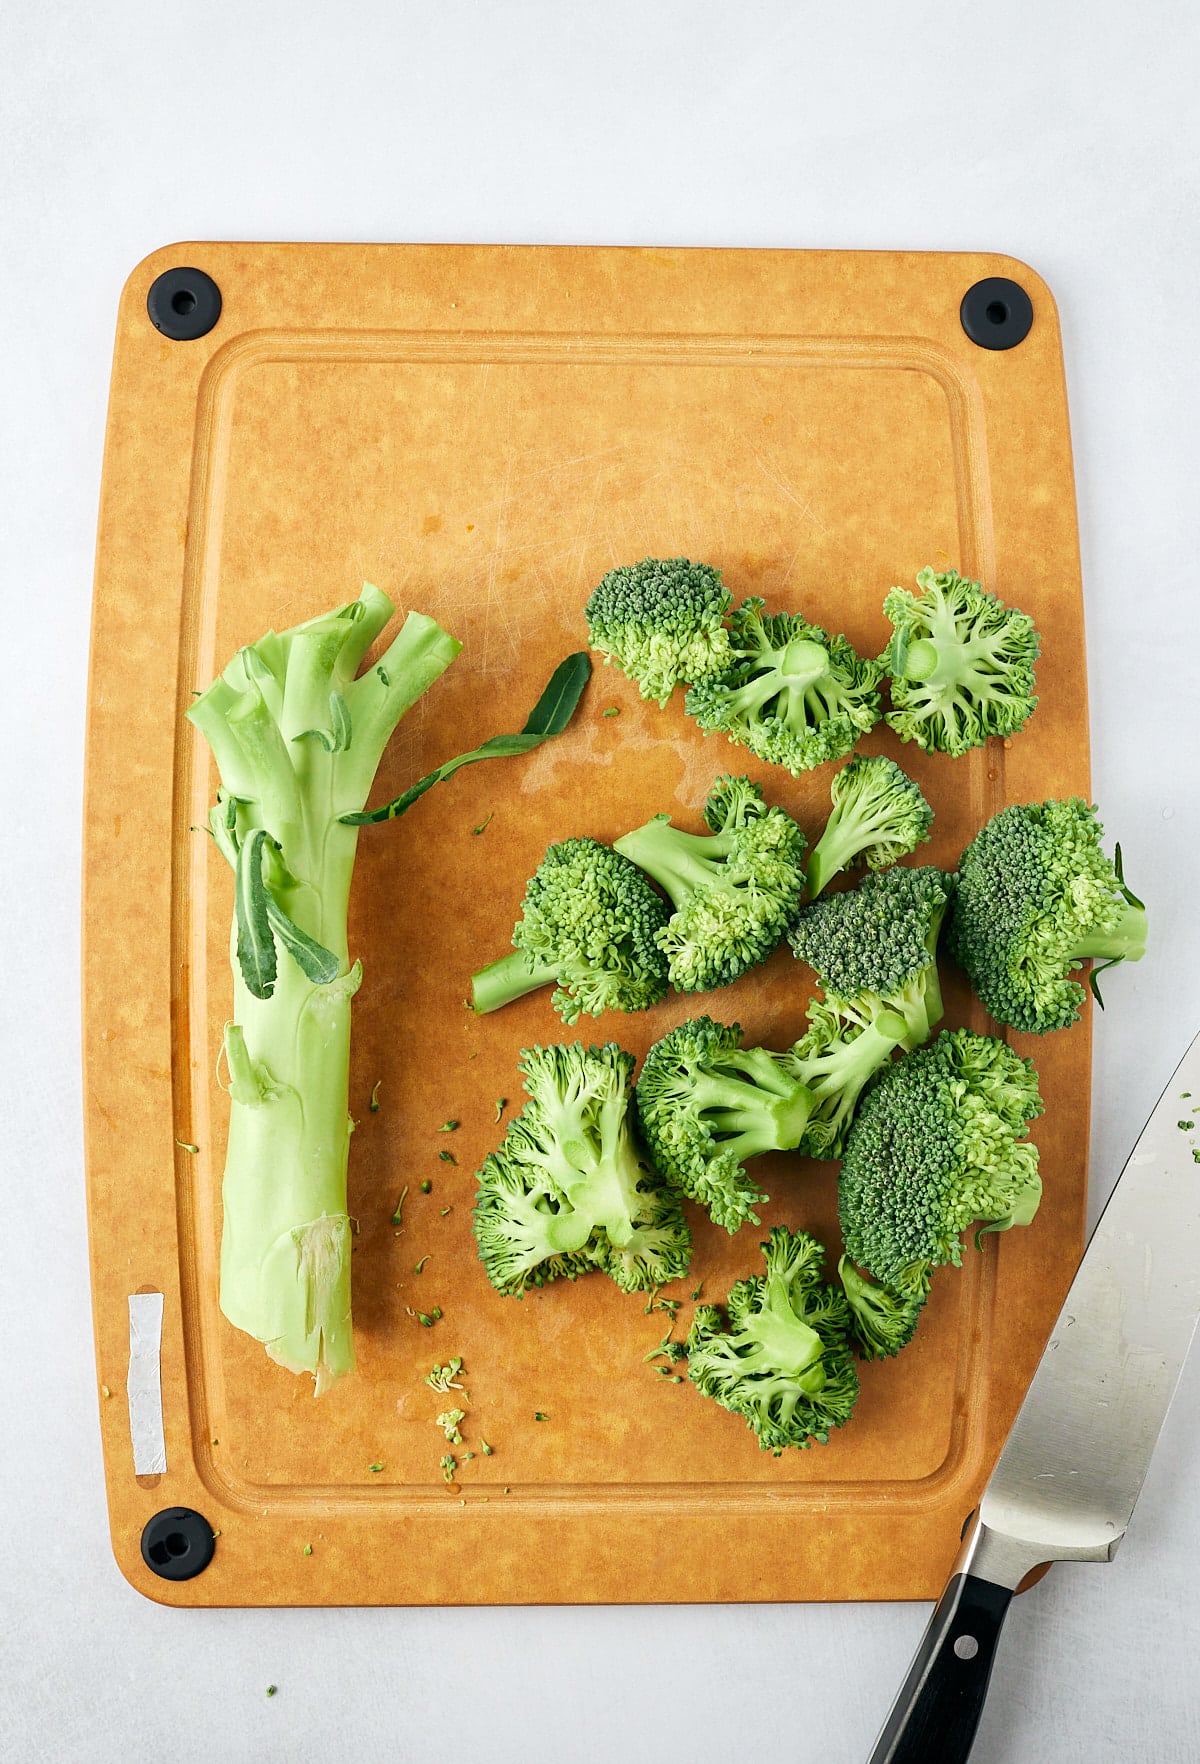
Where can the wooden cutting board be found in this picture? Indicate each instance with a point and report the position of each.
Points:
(482, 432)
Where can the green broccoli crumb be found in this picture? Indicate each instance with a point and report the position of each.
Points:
(448, 1127)
(1185, 1126)
(398, 1215)
(185, 1145)
(448, 1465)
(427, 1187)
(307, 1550)
(485, 1448)
(478, 830)
(271, 1689)
(417, 1266)
(374, 1469)
(448, 1157)
(538, 1416)
(614, 710)
(373, 1105)
(501, 1105)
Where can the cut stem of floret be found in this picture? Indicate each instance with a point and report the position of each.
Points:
(1123, 942)
(510, 978)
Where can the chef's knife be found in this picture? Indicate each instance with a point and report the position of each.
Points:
(1071, 1470)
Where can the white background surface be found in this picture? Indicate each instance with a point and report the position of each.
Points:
(1066, 135)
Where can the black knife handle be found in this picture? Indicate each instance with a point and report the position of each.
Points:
(934, 1718)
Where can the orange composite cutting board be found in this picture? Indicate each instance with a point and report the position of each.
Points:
(482, 432)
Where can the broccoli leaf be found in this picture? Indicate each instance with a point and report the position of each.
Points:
(549, 716)
(255, 940)
(312, 958)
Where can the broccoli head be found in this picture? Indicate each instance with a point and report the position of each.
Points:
(734, 890)
(880, 939)
(882, 1321)
(591, 923)
(1036, 896)
(961, 664)
(567, 1190)
(706, 1104)
(936, 1145)
(793, 694)
(782, 1360)
(662, 621)
(879, 815)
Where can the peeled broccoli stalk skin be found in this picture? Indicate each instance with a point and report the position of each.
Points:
(662, 621)
(591, 923)
(1037, 896)
(567, 1190)
(734, 890)
(882, 1321)
(962, 664)
(937, 1145)
(792, 694)
(780, 1358)
(297, 739)
(879, 815)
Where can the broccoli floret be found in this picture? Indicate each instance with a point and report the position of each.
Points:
(881, 939)
(1036, 896)
(846, 1043)
(879, 815)
(706, 1104)
(662, 621)
(961, 664)
(734, 889)
(784, 1361)
(882, 1321)
(937, 1144)
(590, 922)
(568, 1190)
(793, 694)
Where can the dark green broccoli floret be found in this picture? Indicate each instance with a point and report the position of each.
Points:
(961, 664)
(879, 815)
(936, 1145)
(734, 889)
(784, 1361)
(1037, 896)
(793, 694)
(883, 1321)
(662, 621)
(590, 922)
(568, 1190)
(706, 1104)
(881, 939)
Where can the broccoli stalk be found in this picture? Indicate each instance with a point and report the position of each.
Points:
(784, 1363)
(590, 922)
(879, 815)
(734, 889)
(297, 739)
(793, 694)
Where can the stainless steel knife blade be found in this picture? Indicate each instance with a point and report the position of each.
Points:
(1065, 1484)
